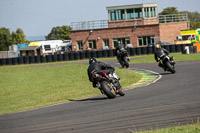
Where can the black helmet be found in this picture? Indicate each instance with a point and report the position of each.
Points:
(92, 60)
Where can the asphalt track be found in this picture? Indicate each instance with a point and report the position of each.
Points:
(171, 101)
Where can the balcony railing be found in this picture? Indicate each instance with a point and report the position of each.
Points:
(99, 24)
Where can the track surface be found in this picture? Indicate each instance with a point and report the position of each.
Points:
(173, 100)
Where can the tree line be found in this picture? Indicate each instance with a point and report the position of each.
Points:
(63, 32)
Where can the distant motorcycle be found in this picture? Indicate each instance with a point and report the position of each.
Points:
(107, 84)
(168, 62)
(123, 58)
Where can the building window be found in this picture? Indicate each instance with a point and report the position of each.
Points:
(121, 14)
(146, 12)
(106, 43)
(80, 45)
(92, 44)
(138, 13)
(47, 47)
(124, 41)
(146, 40)
(113, 15)
(130, 14)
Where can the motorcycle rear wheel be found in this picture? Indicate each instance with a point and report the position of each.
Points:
(107, 89)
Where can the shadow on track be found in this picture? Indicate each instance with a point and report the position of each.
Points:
(91, 99)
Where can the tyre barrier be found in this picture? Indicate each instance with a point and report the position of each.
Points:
(31, 59)
(76, 55)
(60, 57)
(3, 61)
(66, 56)
(138, 51)
(105, 53)
(37, 59)
(88, 54)
(149, 50)
(143, 50)
(43, 59)
(71, 56)
(82, 55)
(178, 48)
(99, 54)
(132, 51)
(26, 59)
(94, 54)
(54, 58)
(172, 48)
(48, 58)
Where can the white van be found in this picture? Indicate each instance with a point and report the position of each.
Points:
(51, 46)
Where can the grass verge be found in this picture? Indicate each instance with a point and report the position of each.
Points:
(25, 88)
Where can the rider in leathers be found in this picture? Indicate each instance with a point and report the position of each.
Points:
(119, 49)
(97, 67)
(158, 53)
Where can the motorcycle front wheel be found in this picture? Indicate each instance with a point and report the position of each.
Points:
(170, 67)
(107, 89)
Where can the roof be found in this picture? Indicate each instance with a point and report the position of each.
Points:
(132, 6)
(34, 44)
(29, 48)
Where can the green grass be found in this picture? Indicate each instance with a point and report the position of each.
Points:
(25, 88)
(195, 128)
(177, 57)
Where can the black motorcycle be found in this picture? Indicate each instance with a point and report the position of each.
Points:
(107, 84)
(123, 58)
(168, 63)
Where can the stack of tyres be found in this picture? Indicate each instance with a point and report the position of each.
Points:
(54, 58)
(82, 55)
(71, 56)
(94, 54)
(138, 51)
(77, 56)
(31, 59)
(105, 53)
(110, 53)
(26, 59)
(60, 57)
(20, 60)
(144, 50)
(37, 59)
(172, 48)
(99, 54)
(132, 51)
(49, 58)
(14, 61)
(66, 56)
(149, 50)
(178, 48)
(43, 59)
(3, 61)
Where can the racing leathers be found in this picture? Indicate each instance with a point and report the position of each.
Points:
(98, 67)
(159, 53)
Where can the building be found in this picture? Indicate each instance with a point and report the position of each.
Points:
(137, 25)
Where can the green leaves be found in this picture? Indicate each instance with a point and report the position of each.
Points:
(59, 33)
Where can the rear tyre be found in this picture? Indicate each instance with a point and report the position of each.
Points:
(170, 67)
(107, 89)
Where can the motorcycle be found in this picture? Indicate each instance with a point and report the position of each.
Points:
(107, 83)
(123, 58)
(168, 63)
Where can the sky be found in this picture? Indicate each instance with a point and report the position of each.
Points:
(38, 17)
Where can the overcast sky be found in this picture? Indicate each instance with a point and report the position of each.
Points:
(38, 17)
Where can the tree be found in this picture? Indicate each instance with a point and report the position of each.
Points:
(59, 33)
(18, 37)
(5, 39)
(169, 10)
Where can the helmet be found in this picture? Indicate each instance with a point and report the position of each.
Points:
(92, 60)
(157, 46)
